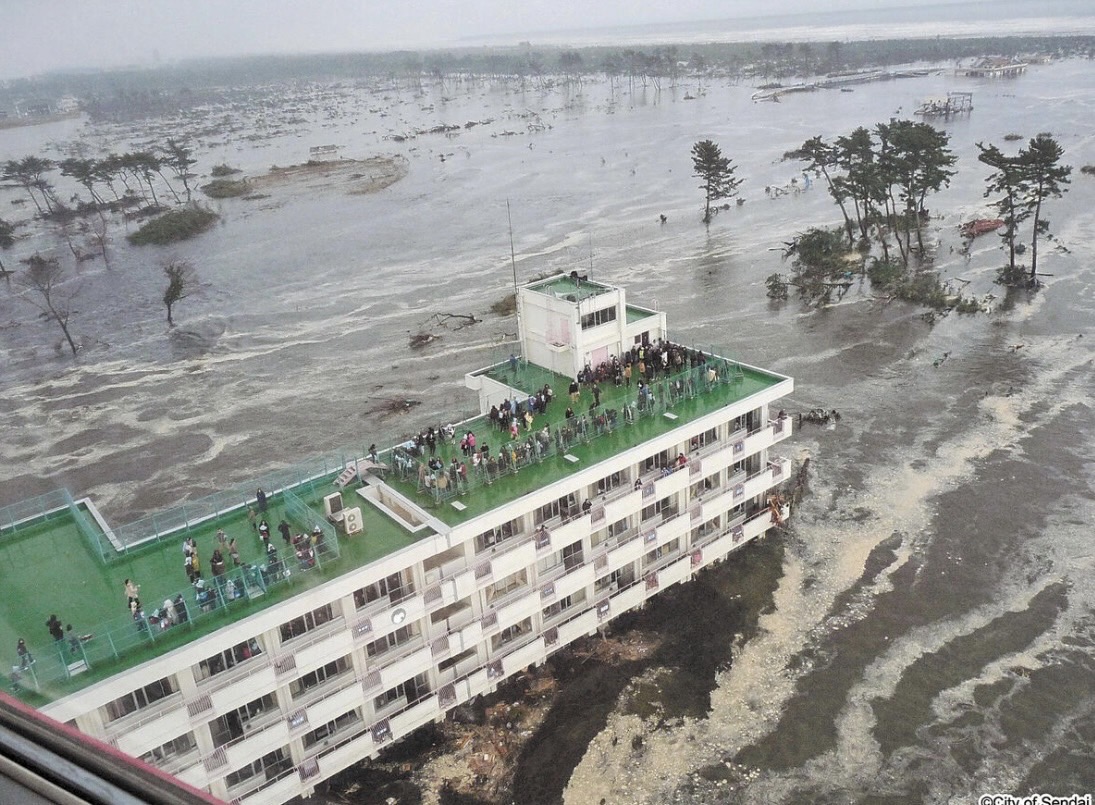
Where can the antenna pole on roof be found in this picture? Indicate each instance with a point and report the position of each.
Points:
(590, 254)
(513, 265)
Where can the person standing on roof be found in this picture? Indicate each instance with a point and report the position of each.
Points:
(132, 591)
(26, 659)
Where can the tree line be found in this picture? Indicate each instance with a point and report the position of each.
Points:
(117, 94)
(881, 179)
(128, 178)
(117, 183)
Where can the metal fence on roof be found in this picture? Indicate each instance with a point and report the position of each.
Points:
(558, 433)
(24, 514)
(312, 474)
(104, 645)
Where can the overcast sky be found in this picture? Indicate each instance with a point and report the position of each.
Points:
(39, 35)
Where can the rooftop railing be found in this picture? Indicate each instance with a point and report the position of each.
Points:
(157, 627)
(558, 434)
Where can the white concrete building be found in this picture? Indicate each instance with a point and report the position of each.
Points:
(490, 575)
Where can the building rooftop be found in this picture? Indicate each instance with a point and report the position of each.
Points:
(454, 507)
(49, 566)
(570, 287)
(52, 563)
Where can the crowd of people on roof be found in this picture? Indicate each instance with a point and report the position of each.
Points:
(663, 369)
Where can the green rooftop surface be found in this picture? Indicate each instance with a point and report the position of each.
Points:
(51, 568)
(737, 383)
(569, 286)
(635, 314)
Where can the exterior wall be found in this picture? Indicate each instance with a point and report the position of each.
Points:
(653, 326)
(481, 612)
(549, 331)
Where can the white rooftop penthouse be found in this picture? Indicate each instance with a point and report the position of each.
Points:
(569, 322)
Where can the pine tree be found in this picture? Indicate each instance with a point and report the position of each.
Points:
(716, 173)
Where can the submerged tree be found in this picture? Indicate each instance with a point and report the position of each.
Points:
(1046, 178)
(180, 281)
(716, 173)
(43, 277)
(822, 157)
(1004, 184)
(861, 181)
(914, 161)
(86, 172)
(179, 158)
(821, 265)
(1022, 184)
(28, 174)
(7, 240)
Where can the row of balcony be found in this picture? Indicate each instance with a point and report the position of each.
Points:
(364, 740)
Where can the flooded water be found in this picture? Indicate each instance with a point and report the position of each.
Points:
(931, 633)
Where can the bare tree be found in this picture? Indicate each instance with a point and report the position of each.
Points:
(42, 279)
(100, 239)
(180, 282)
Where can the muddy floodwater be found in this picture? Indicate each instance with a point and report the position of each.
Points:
(927, 632)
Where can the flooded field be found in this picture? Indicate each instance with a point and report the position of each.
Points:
(926, 631)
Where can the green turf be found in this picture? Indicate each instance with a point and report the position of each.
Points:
(49, 567)
(481, 497)
(635, 314)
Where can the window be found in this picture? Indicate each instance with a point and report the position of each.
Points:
(229, 658)
(609, 583)
(661, 552)
(656, 461)
(599, 317)
(493, 536)
(548, 563)
(269, 766)
(410, 691)
(390, 641)
(706, 529)
(306, 622)
(747, 422)
(565, 603)
(618, 527)
(233, 724)
(597, 537)
(298, 687)
(511, 633)
(507, 585)
(656, 508)
(572, 556)
(712, 481)
(330, 728)
(140, 698)
(393, 588)
(747, 465)
(704, 439)
(563, 507)
(172, 749)
(610, 482)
